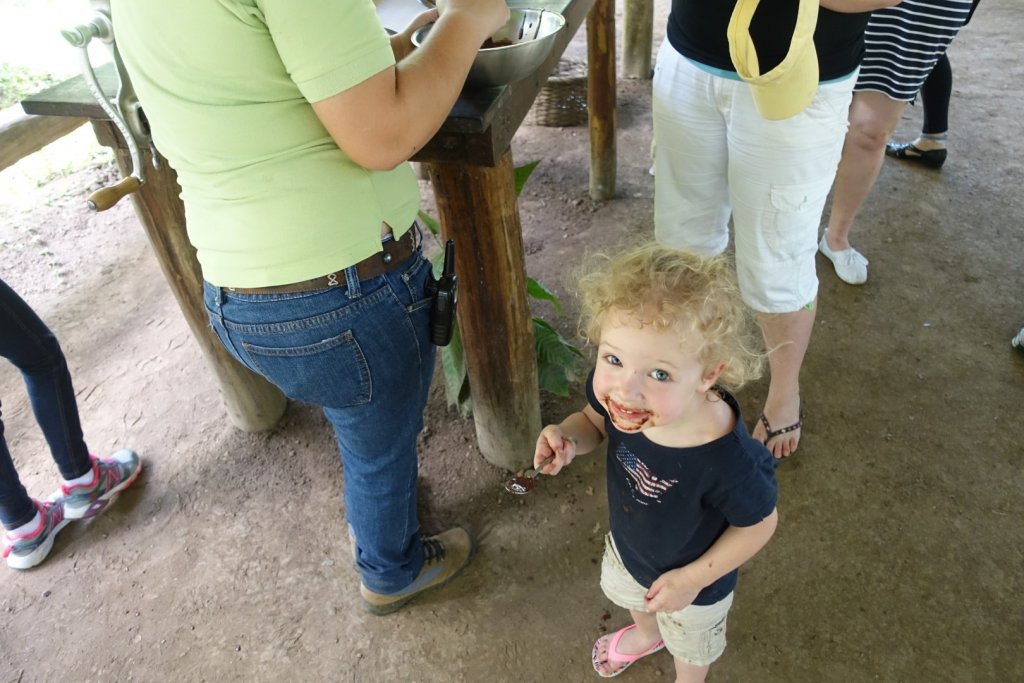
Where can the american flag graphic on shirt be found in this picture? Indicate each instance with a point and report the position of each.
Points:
(645, 483)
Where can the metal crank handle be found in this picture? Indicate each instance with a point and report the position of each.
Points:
(100, 28)
(106, 197)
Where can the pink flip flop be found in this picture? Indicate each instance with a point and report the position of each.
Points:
(616, 657)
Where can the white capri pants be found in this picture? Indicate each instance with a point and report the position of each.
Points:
(717, 156)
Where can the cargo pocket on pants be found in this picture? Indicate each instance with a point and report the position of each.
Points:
(792, 220)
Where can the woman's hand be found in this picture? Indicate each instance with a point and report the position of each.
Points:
(401, 43)
(490, 15)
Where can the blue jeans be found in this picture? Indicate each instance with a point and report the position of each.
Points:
(28, 343)
(362, 351)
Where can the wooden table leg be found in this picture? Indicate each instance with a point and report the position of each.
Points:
(637, 38)
(601, 98)
(253, 404)
(494, 317)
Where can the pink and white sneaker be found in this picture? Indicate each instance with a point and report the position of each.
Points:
(110, 476)
(25, 551)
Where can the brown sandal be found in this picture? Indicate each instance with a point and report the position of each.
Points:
(772, 433)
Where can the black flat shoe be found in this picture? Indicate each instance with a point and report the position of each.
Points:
(932, 158)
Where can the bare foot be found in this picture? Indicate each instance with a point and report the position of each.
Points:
(632, 646)
(785, 430)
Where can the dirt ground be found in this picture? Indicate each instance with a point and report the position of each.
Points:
(899, 553)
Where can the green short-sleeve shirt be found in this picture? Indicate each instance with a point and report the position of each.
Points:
(226, 85)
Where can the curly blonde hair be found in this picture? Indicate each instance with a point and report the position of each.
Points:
(675, 289)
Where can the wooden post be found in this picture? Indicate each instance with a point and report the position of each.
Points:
(601, 98)
(638, 38)
(494, 317)
(253, 404)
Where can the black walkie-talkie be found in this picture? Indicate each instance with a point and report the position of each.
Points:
(446, 295)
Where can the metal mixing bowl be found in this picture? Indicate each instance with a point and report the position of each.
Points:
(532, 35)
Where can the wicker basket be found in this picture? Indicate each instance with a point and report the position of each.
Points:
(563, 99)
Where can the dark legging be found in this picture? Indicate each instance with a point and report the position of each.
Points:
(935, 94)
(28, 343)
(936, 90)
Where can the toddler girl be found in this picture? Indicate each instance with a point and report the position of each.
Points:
(691, 495)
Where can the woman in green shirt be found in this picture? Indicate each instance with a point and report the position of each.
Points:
(289, 130)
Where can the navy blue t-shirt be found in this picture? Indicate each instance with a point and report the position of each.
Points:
(667, 506)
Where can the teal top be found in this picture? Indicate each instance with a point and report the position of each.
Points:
(733, 76)
(226, 86)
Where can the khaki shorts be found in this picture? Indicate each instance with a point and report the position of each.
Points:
(694, 634)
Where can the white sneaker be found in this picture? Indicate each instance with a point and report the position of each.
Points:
(1018, 341)
(850, 264)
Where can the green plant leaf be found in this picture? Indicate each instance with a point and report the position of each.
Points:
(437, 263)
(557, 360)
(456, 379)
(552, 346)
(553, 380)
(523, 173)
(432, 225)
(542, 293)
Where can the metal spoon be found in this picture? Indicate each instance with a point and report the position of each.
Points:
(524, 484)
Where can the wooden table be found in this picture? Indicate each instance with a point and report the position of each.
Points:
(471, 169)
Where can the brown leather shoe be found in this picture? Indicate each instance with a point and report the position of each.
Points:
(444, 556)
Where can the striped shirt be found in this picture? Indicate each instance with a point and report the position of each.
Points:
(903, 43)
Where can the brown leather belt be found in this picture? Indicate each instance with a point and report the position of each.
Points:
(394, 254)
